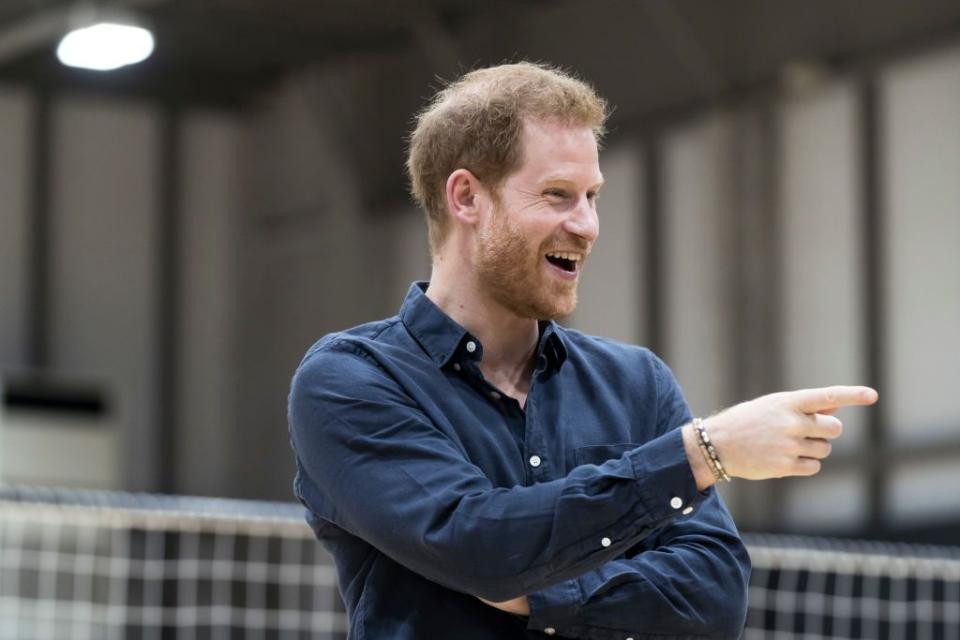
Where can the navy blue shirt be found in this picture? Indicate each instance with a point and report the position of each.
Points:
(430, 487)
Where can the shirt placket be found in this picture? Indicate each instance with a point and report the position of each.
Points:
(538, 459)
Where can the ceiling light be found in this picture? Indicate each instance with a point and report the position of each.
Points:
(105, 46)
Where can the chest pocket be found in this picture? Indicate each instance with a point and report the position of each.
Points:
(600, 453)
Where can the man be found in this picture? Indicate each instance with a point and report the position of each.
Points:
(479, 472)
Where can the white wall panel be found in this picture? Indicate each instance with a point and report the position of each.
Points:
(697, 283)
(921, 127)
(15, 175)
(308, 267)
(612, 287)
(834, 501)
(925, 492)
(822, 294)
(104, 257)
(210, 179)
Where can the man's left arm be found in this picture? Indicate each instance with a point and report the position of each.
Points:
(689, 579)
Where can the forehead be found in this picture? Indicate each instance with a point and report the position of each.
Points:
(553, 150)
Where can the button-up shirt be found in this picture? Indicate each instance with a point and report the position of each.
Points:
(431, 488)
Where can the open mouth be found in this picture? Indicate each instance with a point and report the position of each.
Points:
(566, 261)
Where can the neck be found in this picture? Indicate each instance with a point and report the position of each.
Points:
(509, 341)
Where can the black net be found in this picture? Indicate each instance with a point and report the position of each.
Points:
(96, 565)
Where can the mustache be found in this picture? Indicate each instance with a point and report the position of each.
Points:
(570, 244)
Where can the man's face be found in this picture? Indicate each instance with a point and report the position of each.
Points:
(533, 244)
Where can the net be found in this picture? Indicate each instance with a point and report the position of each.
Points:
(93, 565)
(810, 588)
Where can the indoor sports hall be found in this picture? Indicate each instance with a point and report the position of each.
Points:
(193, 192)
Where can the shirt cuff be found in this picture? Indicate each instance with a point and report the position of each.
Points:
(665, 479)
(554, 607)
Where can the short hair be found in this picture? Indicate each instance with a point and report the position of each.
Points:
(476, 123)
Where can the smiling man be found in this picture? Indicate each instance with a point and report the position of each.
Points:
(480, 472)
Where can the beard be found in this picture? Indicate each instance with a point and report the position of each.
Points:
(512, 272)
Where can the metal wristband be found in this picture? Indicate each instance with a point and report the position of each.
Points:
(709, 451)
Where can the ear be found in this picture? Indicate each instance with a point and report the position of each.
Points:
(464, 196)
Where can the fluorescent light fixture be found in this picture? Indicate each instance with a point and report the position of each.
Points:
(105, 46)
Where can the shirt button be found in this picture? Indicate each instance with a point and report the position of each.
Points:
(535, 461)
(471, 346)
(606, 542)
(630, 638)
(549, 631)
(676, 503)
(456, 366)
(687, 511)
(494, 395)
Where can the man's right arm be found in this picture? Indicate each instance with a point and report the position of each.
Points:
(777, 435)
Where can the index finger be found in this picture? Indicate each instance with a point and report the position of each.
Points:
(827, 398)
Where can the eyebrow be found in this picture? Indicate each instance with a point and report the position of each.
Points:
(563, 178)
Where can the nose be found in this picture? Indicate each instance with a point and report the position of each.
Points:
(583, 220)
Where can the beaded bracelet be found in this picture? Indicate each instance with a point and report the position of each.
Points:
(706, 456)
(709, 451)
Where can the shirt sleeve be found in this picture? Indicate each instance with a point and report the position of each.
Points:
(372, 462)
(687, 580)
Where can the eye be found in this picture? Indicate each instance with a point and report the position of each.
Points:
(555, 193)
(592, 196)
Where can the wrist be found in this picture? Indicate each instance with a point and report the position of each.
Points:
(709, 451)
(702, 473)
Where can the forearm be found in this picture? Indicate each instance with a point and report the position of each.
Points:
(518, 606)
(502, 544)
(688, 580)
(702, 475)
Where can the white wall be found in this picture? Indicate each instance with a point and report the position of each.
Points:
(211, 179)
(15, 172)
(835, 500)
(312, 261)
(104, 276)
(822, 294)
(104, 257)
(697, 283)
(612, 289)
(922, 129)
(921, 125)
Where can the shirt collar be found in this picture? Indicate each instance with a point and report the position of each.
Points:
(442, 338)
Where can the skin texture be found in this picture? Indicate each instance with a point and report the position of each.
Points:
(492, 277)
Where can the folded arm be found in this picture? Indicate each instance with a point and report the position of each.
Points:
(688, 579)
(374, 464)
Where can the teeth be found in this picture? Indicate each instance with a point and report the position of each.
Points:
(564, 256)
